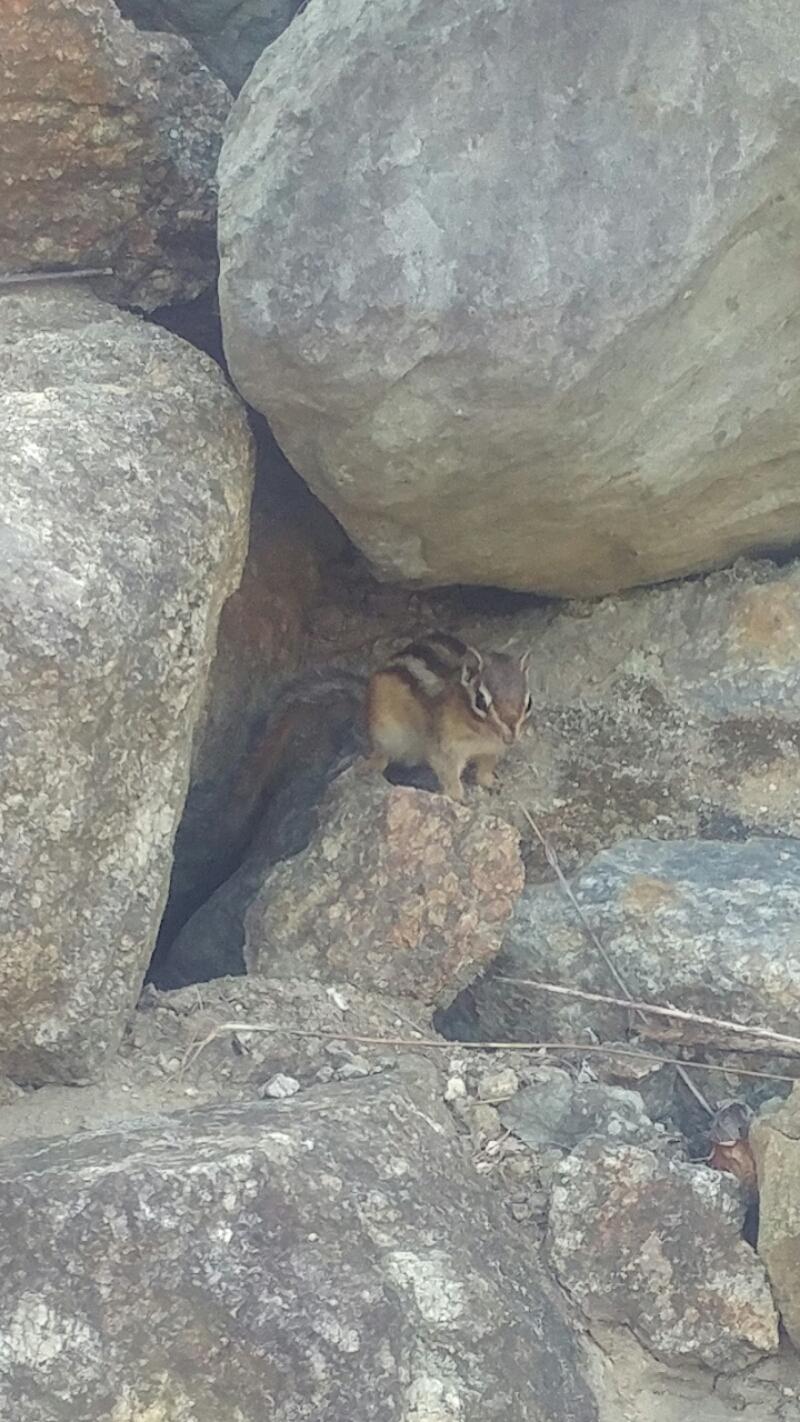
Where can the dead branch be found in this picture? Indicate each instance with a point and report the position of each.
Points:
(16, 278)
(657, 1010)
(334, 1034)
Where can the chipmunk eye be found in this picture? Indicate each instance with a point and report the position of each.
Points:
(482, 701)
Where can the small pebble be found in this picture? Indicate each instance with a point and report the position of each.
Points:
(456, 1089)
(498, 1085)
(280, 1086)
(325, 1074)
(339, 998)
(357, 1067)
(484, 1121)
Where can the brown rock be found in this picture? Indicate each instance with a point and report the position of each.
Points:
(108, 150)
(775, 1138)
(400, 891)
(654, 1244)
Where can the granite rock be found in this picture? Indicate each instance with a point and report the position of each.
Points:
(108, 151)
(775, 1138)
(655, 1245)
(127, 470)
(323, 1257)
(511, 282)
(400, 892)
(700, 925)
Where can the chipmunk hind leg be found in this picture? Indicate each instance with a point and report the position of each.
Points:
(395, 723)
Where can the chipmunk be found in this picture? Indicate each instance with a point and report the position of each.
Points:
(441, 703)
(438, 703)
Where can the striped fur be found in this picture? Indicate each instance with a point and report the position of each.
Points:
(442, 703)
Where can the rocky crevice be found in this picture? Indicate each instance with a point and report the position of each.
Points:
(307, 1180)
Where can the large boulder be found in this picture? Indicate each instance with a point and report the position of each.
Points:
(327, 1258)
(511, 281)
(108, 150)
(230, 35)
(704, 926)
(127, 469)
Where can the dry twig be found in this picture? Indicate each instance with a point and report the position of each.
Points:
(17, 278)
(764, 1034)
(334, 1034)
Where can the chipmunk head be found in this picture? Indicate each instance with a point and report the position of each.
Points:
(497, 690)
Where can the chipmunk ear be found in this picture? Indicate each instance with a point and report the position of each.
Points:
(472, 666)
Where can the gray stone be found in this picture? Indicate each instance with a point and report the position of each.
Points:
(775, 1138)
(108, 151)
(510, 282)
(653, 1082)
(328, 1258)
(230, 35)
(280, 1086)
(556, 1110)
(498, 1084)
(655, 1245)
(127, 469)
(400, 892)
(703, 926)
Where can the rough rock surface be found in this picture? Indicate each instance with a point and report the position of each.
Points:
(127, 468)
(655, 1245)
(325, 1257)
(400, 891)
(560, 1111)
(108, 151)
(667, 710)
(496, 361)
(700, 925)
(230, 35)
(633, 1386)
(775, 1138)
